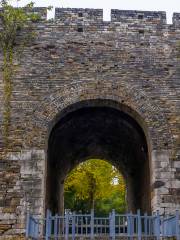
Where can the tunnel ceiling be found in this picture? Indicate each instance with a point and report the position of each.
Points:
(97, 132)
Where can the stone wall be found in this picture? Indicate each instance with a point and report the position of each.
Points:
(132, 60)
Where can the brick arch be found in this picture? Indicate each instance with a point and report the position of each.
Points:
(128, 99)
(134, 102)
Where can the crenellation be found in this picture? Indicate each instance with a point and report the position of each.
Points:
(139, 16)
(87, 16)
(78, 14)
(91, 20)
(176, 19)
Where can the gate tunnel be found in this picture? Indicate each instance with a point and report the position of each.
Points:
(99, 131)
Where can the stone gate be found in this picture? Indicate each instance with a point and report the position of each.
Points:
(88, 88)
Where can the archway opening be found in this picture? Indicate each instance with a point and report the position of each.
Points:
(95, 184)
(101, 132)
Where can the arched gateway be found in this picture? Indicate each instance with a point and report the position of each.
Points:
(80, 122)
(87, 88)
(98, 129)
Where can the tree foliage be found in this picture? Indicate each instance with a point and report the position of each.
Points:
(95, 184)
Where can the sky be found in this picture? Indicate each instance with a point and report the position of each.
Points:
(169, 6)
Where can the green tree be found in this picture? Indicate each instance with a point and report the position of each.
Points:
(95, 184)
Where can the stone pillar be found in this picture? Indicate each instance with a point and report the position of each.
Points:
(24, 190)
(163, 182)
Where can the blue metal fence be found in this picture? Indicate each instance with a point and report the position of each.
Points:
(87, 226)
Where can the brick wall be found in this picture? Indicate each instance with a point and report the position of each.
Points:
(131, 60)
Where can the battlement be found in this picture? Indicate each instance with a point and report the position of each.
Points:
(89, 16)
(130, 15)
(73, 14)
(176, 19)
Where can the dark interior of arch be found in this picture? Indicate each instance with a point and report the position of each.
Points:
(104, 133)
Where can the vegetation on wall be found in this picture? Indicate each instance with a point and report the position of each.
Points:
(12, 22)
(95, 184)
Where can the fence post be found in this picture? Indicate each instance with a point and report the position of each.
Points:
(48, 224)
(36, 228)
(73, 226)
(56, 227)
(145, 225)
(139, 224)
(130, 226)
(177, 225)
(92, 224)
(110, 228)
(157, 225)
(162, 226)
(113, 224)
(66, 226)
(27, 225)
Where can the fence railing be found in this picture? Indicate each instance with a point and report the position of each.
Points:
(87, 226)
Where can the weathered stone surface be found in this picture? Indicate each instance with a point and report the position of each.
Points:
(131, 60)
(158, 184)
